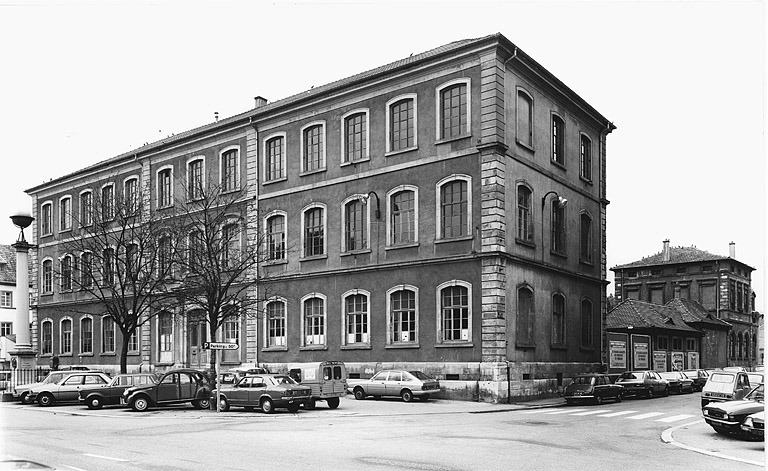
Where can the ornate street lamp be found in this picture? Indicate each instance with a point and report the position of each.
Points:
(22, 353)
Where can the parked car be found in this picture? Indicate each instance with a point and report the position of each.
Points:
(67, 389)
(234, 375)
(109, 394)
(406, 384)
(727, 417)
(328, 380)
(266, 391)
(755, 378)
(754, 426)
(173, 387)
(725, 385)
(594, 388)
(699, 378)
(21, 392)
(646, 383)
(678, 381)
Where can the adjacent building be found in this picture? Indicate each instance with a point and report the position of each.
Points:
(445, 212)
(712, 293)
(7, 304)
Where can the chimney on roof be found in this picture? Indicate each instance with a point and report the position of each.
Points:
(260, 101)
(216, 115)
(665, 253)
(732, 250)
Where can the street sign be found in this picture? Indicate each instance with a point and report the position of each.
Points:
(219, 346)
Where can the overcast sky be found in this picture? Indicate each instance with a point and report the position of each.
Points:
(683, 81)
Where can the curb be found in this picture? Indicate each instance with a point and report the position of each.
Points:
(667, 437)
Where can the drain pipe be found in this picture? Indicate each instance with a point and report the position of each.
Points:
(509, 384)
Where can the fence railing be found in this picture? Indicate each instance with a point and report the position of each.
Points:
(9, 379)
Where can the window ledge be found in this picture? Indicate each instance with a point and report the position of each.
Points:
(280, 261)
(454, 138)
(404, 345)
(314, 257)
(275, 180)
(69, 355)
(86, 354)
(454, 239)
(107, 354)
(558, 347)
(587, 349)
(233, 190)
(169, 206)
(525, 346)
(47, 234)
(275, 349)
(355, 252)
(524, 242)
(558, 165)
(355, 162)
(311, 172)
(455, 345)
(65, 231)
(313, 347)
(356, 347)
(133, 354)
(586, 262)
(525, 145)
(558, 254)
(588, 181)
(400, 151)
(402, 246)
(46, 355)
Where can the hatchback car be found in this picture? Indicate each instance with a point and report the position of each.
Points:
(21, 392)
(173, 387)
(266, 391)
(646, 383)
(725, 385)
(727, 417)
(67, 389)
(406, 384)
(678, 381)
(699, 378)
(109, 394)
(594, 388)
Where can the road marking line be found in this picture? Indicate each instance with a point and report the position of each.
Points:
(105, 457)
(592, 412)
(567, 411)
(616, 414)
(646, 416)
(675, 418)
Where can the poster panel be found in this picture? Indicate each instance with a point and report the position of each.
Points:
(618, 355)
(677, 361)
(693, 360)
(641, 356)
(660, 360)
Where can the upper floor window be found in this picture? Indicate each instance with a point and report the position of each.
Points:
(6, 299)
(46, 219)
(524, 214)
(47, 278)
(403, 215)
(165, 187)
(66, 272)
(276, 236)
(355, 224)
(587, 324)
(454, 207)
(231, 244)
(453, 111)
(356, 318)
(558, 319)
(558, 140)
(230, 170)
(402, 309)
(557, 241)
(195, 179)
(401, 123)
(355, 136)
(585, 239)
(107, 335)
(107, 202)
(314, 231)
(314, 320)
(274, 152)
(86, 208)
(65, 213)
(86, 335)
(6, 329)
(86, 270)
(524, 118)
(46, 337)
(586, 158)
(131, 194)
(276, 324)
(65, 344)
(196, 247)
(525, 316)
(455, 322)
(313, 147)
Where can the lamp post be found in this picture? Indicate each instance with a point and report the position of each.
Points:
(561, 202)
(22, 352)
(364, 199)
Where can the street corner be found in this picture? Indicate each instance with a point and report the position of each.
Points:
(698, 437)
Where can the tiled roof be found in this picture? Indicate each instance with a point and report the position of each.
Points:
(643, 315)
(691, 311)
(7, 264)
(676, 255)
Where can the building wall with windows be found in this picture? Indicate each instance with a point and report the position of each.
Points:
(410, 216)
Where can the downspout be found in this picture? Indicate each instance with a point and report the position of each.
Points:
(604, 316)
(258, 226)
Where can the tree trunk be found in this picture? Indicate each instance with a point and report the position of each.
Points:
(124, 354)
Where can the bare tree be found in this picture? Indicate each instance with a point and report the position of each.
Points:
(119, 256)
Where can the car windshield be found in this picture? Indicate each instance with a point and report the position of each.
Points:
(721, 378)
(421, 376)
(630, 375)
(283, 380)
(584, 380)
(669, 375)
(756, 394)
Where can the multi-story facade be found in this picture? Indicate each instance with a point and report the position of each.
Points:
(721, 288)
(444, 212)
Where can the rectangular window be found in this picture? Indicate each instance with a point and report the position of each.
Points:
(454, 209)
(558, 140)
(65, 214)
(691, 345)
(453, 111)
(276, 324)
(586, 158)
(86, 335)
(276, 237)
(355, 223)
(662, 343)
(677, 344)
(455, 313)
(275, 158)
(357, 318)
(6, 299)
(403, 213)
(356, 141)
(230, 174)
(46, 219)
(6, 329)
(107, 335)
(133, 341)
(86, 214)
(165, 329)
(313, 148)
(164, 188)
(314, 322)
(313, 232)
(195, 180)
(402, 327)
(131, 194)
(47, 338)
(108, 203)
(402, 120)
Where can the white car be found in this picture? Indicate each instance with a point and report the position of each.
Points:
(68, 389)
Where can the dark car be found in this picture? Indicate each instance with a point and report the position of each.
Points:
(173, 387)
(594, 388)
(266, 391)
(110, 394)
(645, 383)
(678, 381)
(406, 384)
(699, 378)
(728, 417)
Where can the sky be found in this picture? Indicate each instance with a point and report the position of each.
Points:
(683, 81)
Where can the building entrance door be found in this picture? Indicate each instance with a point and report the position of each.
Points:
(198, 334)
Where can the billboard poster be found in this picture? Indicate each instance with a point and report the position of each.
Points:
(641, 356)
(618, 355)
(693, 360)
(660, 360)
(677, 361)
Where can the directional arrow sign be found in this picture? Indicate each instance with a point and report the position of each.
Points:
(219, 346)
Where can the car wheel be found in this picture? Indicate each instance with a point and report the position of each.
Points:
(359, 394)
(424, 398)
(310, 404)
(25, 398)
(598, 399)
(333, 402)
(223, 404)
(94, 402)
(649, 394)
(666, 391)
(45, 399)
(618, 397)
(201, 404)
(407, 395)
(267, 406)
(140, 404)
(293, 408)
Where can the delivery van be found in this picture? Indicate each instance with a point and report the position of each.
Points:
(328, 380)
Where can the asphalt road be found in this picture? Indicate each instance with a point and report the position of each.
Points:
(440, 435)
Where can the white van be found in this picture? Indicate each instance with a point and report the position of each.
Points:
(328, 380)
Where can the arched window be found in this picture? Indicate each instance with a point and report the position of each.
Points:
(46, 337)
(355, 136)
(86, 208)
(276, 236)
(455, 314)
(66, 272)
(586, 158)
(107, 335)
(524, 317)
(195, 181)
(65, 343)
(402, 308)
(524, 214)
(558, 140)
(86, 335)
(165, 337)
(313, 147)
(356, 317)
(274, 155)
(402, 215)
(587, 324)
(453, 109)
(276, 323)
(741, 346)
(313, 318)
(558, 319)
(524, 118)
(585, 239)
(47, 278)
(355, 224)
(313, 231)
(454, 207)
(401, 123)
(230, 169)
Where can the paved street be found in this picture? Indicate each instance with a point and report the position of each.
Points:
(662, 433)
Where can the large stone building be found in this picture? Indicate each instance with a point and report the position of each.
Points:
(712, 292)
(445, 212)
